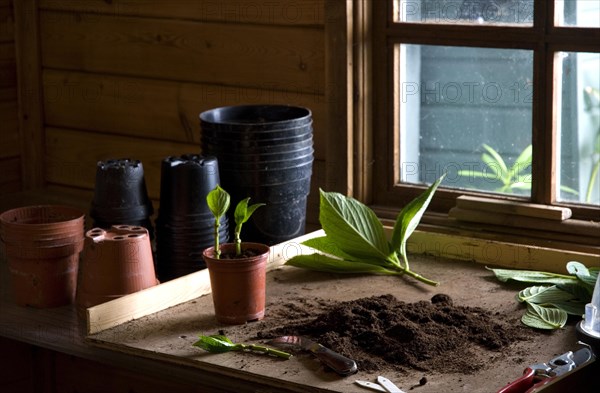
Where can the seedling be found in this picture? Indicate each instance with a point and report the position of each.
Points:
(218, 202)
(220, 344)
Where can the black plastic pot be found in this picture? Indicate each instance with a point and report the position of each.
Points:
(184, 183)
(120, 195)
(236, 147)
(185, 225)
(264, 152)
(257, 117)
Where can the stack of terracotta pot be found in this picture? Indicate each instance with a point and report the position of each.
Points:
(42, 246)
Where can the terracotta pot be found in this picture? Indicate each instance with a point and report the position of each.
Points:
(18, 250)
(239, 284)
(44, 283)
(42, 245)
(41, 222)
(114, 263)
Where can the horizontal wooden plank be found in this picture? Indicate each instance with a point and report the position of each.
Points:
(7, 23)
(489, 252)
(155, 109)
(72, 155)
(272, 58)
(284, 12)
(511, 207)
(589, 229)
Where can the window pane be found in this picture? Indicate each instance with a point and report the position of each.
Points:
(579, 127)
(465, 12)
(577, 13)
(467, 112)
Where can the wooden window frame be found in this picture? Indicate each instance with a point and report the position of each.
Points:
(375, 149)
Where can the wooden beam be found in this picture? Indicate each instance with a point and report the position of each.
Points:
(338, 71)
(30, 93)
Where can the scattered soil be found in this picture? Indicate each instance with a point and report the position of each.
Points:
(382, 332)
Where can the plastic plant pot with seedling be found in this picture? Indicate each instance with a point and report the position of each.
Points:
(237, 270)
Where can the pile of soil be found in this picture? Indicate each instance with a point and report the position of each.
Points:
(382, 332)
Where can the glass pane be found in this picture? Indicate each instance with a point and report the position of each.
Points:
(465, 12)
(466, 112)
(577, 13)
(578, 123)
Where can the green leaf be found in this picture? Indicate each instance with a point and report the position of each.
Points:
(577, 268)
(498, 164)
(324, 244)
(532, 276)
(324, 263)
(353, 226)
(215, 344)
(409, 217)
(218, 201)
(521, 163)
(544, 294)
(542, 317)
(243, 212)
(573, 307)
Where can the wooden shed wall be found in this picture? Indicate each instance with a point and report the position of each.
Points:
(129, 78)
(10, 145)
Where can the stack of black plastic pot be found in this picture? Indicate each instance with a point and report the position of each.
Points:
(185, 225)
(264, 152)
(120, 195)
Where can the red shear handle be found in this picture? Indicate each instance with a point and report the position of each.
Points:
(522, 384)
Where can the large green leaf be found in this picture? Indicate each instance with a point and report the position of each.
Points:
(353, 226)
(544, 294)
(409, 217)
(573, 307)
(542, 317)
(532, 276)
(324, 244)
(324, 263)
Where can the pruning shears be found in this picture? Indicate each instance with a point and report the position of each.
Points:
(537, 375)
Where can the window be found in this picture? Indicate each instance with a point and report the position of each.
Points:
(501, 95)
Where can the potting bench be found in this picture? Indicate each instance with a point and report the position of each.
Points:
(103, 347)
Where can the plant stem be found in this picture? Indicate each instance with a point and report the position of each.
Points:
(406, 270)
(238, 241)
(421, 278)
(265, 350)
(217, 246)
(588, 197)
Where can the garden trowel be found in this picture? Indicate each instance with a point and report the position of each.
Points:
(337, 362)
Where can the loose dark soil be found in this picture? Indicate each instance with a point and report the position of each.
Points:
(382, 332)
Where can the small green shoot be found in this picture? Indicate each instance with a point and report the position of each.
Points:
(218, 202)
(241, 215)
(220, 344)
